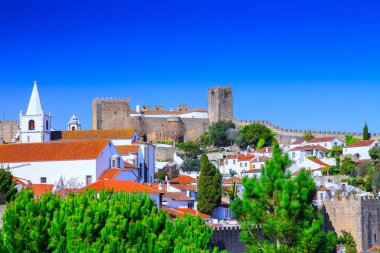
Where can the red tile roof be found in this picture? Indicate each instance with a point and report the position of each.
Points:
(185, 187)
(172, 212)
(241, 157)
(22, 181)
(264, 150)
(183, 180)
(364, 143)
(121, 133)
(259, 159)
(308, 147)
(231, 180)
(127, 165)
(52, 151)
(300, 141)
(127, 149)
(192, 212)
(40, 189)
(322, 139)
(317, 161)
(122, 186)
(176, 196)
(110, 174)
(322, 189)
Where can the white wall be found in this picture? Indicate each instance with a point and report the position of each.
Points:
(39, 134)
(196, 115)
(222, 213)
(363, 151)
(329, 144)
(130, 174)
(53, 170)
(103, 162)
(177, 203)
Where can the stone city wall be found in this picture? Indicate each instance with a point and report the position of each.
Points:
(8, 129)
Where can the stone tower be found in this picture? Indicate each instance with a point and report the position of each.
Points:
(110, 113)
(220, 104)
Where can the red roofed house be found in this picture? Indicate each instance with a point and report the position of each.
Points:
(314, 165)
(266, 151)
(127, 186)
(327, 142)
(238, 163)
(39, 189)
(184, 180)
(223, 211)
(300, 153)
(360, 148)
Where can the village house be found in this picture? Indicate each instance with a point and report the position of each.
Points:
(360, 149)
(300, 153)
(326, 142)
(238, 163)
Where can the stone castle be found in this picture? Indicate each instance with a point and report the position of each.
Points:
(359, 215)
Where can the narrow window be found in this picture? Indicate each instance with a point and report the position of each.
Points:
(88, 179)
(225, 213)
(31, 124)
(226, 162)
(43, 180)
(47, 125)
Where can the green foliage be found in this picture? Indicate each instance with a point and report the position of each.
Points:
(219, 134)
(307, 136)
(209, 187)
(336, 151)
(98, 222)
(348, 241)
(260, 144)
(191, 165)
(283, 207)
(191, 149)
(7, 186)
(252, 134)
(232, 173)
(374, 153)
(348, 166)
(366, 134)
(351, 140)
(232, 191)
(162, 175)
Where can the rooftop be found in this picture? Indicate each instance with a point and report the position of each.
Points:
(122, 186)
(183, 180)
(364, 143)
(126, 133)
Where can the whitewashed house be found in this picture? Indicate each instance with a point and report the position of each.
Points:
(47, 162)
(251, 173)
(266, 152)
(327, 142)
(223, 211)
(300, 153)
(313, 165)
(295, 144)
(360, 149)
(238, 163)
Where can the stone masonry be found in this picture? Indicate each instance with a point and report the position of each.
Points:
(8, 129)
(358, 215)
(220, 106)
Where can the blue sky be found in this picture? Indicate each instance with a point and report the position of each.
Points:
(298, 64)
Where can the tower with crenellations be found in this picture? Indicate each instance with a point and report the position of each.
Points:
(220, 104)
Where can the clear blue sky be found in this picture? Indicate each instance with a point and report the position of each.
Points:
(300, 64)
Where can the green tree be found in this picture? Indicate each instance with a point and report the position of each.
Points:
(98, 222)
(191, 165)
(209, 186)
(374, 153)
(307, 136)
(260, 144)
(366, 134)
(190, 148)
(351, 140)
(283, 207)
(348, 241)
(252, 134)
(7, 185)
(348, 166)
(218, 134)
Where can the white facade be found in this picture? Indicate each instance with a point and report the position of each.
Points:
(361, 150)
(73, 124)
(236, 164)
(252, 173)
(222, 212)
(299, 154)
(329, 144)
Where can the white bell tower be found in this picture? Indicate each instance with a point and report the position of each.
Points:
(73, 124)
(35, 125)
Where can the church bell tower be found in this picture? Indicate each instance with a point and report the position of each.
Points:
(35, 126)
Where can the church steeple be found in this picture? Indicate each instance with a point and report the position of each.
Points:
(35, 107)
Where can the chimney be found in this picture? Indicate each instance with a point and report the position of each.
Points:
(138, 108)
(160, 186)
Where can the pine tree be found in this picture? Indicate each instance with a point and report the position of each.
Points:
(283, 208)
(209, 187)
(7, 186)
(366, 135)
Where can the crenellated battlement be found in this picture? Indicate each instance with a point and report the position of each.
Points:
(112, 100)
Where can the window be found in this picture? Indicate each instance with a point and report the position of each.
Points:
(234, 162)
(73, 128)
(190, 205)
(241, 165)
(28, 137)
(225, 213)
(321, 196)
(226, 162)
(245, 165)
(335, 144)
(88, 180)
(47, 125)
(325, 144)
(294, 155)
(113, 165)
(43, 180)
(31, 124)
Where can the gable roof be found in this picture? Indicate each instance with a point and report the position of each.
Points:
(183, 180)
(322, 139)
(300, 141)
(40, 189)
(264, 150)
(364, 143)
(127, 149)
(308, 147)
(185, 187)
(241, 157)
(121, 186)
(121, 133)
(231, 180)
(52, 151)
(192, 212)
(317, 161)
(177, 196)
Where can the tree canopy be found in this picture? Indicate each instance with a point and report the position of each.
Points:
(97, 222)
(283, 207)
(7, 186)
(191, 165)
(218, 134)
(348, 241)
(307, 136)
(255, 134)
(190, 148)
(366, 134)
(209, 186)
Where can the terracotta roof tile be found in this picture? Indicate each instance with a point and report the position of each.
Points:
(241, 157)
(121, 133)
(323, 189)
(264, 150)
(52, 151)
(122, 186)
(172, 212)
(40, 189)
(110, 174)
(300, 141)
(22, 181)
(177, 196)
(317, 161)
(364, 143)
(185, 187)
(127, 149)
(183, 180)
(322, 139)
(308, 147)
(127, 165)
(231, 180)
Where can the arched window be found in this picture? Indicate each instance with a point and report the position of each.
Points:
(47, 125)
(73, 128)
(31, 124)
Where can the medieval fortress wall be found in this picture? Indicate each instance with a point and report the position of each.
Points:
(8, 130)
(359, 215)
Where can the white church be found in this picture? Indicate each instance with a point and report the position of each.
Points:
(45, 156)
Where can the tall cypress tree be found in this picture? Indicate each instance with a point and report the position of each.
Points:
(366, 135)
(7, 185)
(209, 187)
(283, 208)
